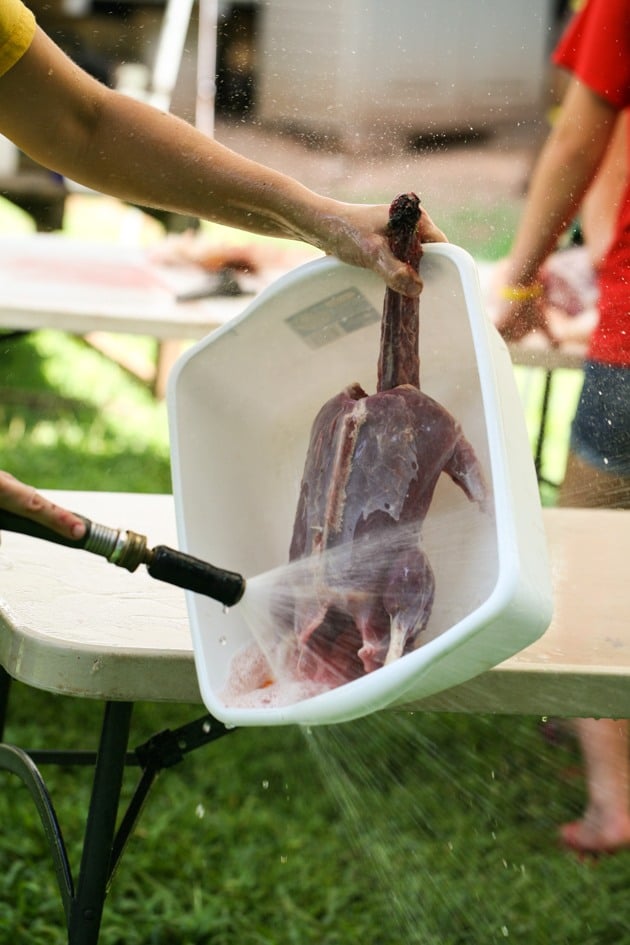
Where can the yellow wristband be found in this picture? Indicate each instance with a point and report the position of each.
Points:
(521, 293)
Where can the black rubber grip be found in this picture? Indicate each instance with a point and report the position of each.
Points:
(176, 567)
(11, 522)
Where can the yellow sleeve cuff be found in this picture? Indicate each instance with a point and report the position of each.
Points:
(17, 28)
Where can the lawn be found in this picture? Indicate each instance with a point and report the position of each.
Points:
(400, 828)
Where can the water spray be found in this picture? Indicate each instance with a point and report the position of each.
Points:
(127, 549)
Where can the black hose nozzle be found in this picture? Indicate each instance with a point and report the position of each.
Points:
(127, 550)
(181, 569)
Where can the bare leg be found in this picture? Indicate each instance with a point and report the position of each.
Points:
(605, 824)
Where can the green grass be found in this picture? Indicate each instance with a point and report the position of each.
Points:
(484, 231)
(565, 390)
(60, 400)
(418, 828)
(396, 829)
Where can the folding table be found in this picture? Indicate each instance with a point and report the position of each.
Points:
(72, 624)
(54, 282)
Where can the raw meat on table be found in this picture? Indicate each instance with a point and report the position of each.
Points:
(372, 465)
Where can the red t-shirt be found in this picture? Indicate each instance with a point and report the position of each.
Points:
(596, 49)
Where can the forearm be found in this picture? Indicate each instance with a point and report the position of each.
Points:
(563, 173)
(600, 207)
(165, 162)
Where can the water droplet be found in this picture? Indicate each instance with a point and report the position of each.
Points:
(206, 728)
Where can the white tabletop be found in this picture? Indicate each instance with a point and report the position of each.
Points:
(72, 623)
(51, 281)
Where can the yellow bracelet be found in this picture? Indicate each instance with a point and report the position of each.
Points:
(521, 293)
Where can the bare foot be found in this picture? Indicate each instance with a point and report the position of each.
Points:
(592, 836)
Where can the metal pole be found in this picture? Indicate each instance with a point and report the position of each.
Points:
(206, 66)
(96, 860)
(170, 50)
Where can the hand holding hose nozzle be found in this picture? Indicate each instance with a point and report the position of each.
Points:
(127, 549)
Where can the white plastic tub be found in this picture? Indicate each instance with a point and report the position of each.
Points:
(241, 404)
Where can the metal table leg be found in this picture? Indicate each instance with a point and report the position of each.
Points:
(542, 431)
(83, 908)
(5, 687)
(95, 870)
(104, 842)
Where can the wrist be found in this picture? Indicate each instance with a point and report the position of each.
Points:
(520, 292)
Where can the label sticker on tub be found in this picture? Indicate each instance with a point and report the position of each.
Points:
(333, 318)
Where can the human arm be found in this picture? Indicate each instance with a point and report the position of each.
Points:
(567, 164)
(16, 496)
(71, 123)
(600, 207)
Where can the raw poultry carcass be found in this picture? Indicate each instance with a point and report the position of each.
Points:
(372, 465)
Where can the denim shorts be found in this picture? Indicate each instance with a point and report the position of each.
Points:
(600, 433)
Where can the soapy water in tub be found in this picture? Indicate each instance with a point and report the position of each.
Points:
(276, 670)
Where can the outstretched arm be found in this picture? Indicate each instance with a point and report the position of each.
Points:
(68, 121)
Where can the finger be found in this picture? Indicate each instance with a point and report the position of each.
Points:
(512, 334)
(399, 276)
(429, 232)
(54, 516)
(16, 496)
(511, 329)
(552, 339)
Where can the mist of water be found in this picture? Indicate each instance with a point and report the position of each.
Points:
(409, 786)
(299, 650)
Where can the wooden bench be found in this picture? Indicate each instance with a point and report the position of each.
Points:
(73, 625)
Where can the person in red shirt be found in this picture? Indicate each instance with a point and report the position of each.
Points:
(595, 49)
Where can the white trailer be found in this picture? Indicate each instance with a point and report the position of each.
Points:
(365, 71)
